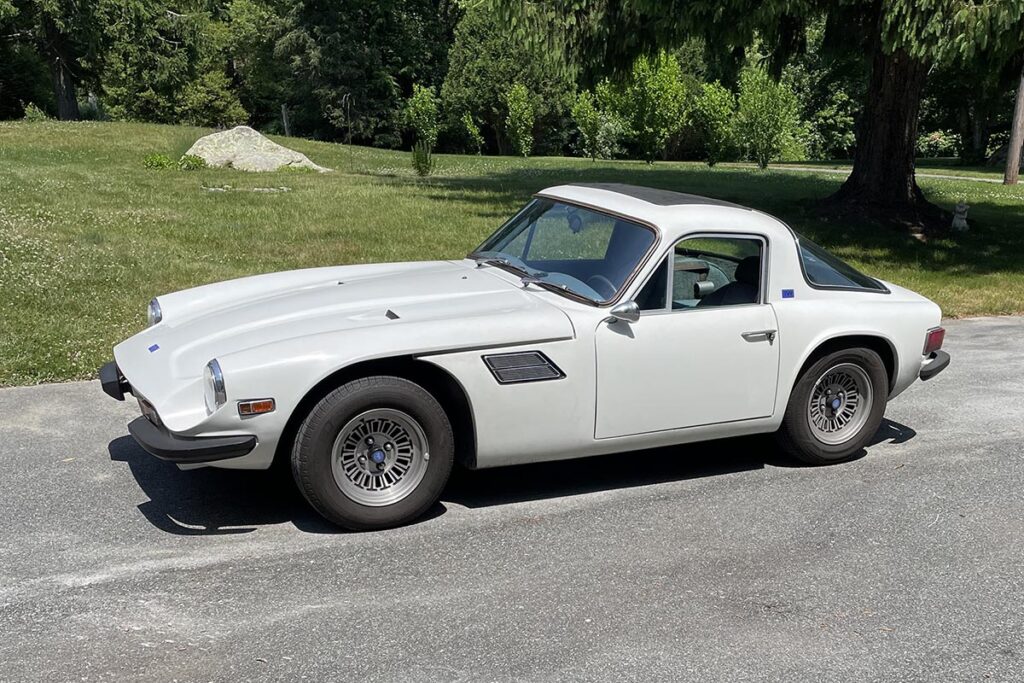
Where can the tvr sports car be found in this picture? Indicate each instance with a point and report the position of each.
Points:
(600, 318)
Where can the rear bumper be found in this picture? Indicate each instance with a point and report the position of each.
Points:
(936, 362)
(188, 449)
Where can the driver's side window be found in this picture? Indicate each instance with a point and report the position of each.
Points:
(705, 272)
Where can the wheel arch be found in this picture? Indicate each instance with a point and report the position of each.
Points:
(884, 347)
(443, 386)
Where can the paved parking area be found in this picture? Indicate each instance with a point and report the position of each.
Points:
(719, 561)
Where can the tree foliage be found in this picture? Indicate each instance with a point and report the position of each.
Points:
(421, 115)
(356, 61)
(767, 114)
(652, 102)
(520, 118)
(486, 59)
(714, 109)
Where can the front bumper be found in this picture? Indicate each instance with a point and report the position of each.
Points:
(188, 449)
(935, 363)
(164, 444)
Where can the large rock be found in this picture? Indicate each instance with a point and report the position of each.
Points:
(245, 149)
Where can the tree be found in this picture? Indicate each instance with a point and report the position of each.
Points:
(420, 114)
(67, 35)
(519, 121)
(352, 63)
(767, 113)
(486, 59)
(652, 102)
(714, 109)
(1013, 150)
(167, 66)
(588, 120)
(264, 81)
(900, 38)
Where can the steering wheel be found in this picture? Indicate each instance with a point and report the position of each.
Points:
(602, 285)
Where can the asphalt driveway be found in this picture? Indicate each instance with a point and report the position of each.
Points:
(719, 561)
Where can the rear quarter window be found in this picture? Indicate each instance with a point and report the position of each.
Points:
(822, 269)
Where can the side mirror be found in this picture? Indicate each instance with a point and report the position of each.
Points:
(627, 311)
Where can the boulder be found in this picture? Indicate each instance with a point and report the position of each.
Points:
(245, 149)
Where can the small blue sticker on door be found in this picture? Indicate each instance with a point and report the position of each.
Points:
(787, 294)
(154, 348)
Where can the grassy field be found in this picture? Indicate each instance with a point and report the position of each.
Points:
(88, 236)
(925, 167)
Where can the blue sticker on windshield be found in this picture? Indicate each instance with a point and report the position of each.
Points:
(154, 347)
(787, 294)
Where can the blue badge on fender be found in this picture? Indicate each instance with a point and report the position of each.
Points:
(154, 347)
(787, 294)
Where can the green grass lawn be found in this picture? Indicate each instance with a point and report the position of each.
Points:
(88, 236)
(940, 166)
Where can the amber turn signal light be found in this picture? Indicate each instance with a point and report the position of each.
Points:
(256, 407)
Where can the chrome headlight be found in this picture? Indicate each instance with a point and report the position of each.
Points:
(213, 387)
(153, 313)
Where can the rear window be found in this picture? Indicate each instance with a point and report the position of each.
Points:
(822, 269)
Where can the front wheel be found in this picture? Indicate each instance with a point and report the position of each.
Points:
(374, 453)
(836, 407)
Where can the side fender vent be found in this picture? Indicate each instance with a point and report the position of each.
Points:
(528, 366)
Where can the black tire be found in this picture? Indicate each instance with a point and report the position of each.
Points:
(312, 453)
(796, 435)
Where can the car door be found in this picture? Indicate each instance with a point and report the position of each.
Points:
(705, 349)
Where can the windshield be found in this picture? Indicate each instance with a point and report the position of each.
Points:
(569, 249)
(822, 269)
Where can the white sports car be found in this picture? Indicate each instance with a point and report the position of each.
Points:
(600, 318)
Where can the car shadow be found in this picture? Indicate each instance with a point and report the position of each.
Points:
(215, 502)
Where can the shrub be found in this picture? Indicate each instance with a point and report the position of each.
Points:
(938, 143)
(474, 139)
(588, 120)
(422, 159)
(652, 103)
(715, 110)
(767, 114)
(157, 162)
(420, 114)
(210, 101)
(519, 120)
(34, 114)
(191, 162)
(831, 128)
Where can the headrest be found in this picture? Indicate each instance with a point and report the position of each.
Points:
(748, 271)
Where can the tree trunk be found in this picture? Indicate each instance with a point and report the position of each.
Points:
(1016, 136)
(60, 69)
(882, 182)
(64, 91)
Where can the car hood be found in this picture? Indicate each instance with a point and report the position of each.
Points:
(475, 307)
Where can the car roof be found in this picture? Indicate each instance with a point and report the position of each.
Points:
(658, 196)
(674, 213)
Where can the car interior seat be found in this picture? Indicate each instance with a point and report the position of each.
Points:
(743, 290)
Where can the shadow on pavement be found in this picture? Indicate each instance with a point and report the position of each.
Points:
(212, 502)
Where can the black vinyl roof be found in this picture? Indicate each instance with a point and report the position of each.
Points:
(653, 195)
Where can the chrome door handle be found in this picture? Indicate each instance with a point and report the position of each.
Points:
(754, 336)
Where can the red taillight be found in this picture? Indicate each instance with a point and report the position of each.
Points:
(933, 340)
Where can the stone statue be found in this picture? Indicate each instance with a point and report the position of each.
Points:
(960, 217)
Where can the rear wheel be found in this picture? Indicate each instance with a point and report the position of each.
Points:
(374, 453)
(836, 407)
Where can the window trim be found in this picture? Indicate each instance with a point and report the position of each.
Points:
(833, 288)
(762, 287)
(628, 282)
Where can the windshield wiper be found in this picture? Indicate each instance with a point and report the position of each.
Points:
(499, 261)
(557, 287)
